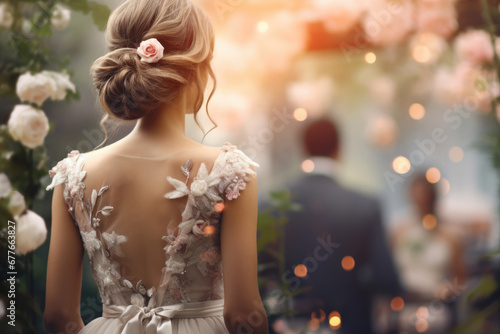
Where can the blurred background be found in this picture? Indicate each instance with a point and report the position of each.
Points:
(411, 87)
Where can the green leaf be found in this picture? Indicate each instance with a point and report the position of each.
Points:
(100, 14)
(485, 288)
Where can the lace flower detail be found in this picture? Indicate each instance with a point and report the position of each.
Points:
(113, 242)
(90, 241)
(175, 264)
(233, 190)
(137, 299)
(202, 185)
(174, 244)
(210, 256)
(199, 187)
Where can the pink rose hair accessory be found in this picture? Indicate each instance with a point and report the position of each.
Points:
(150, 51)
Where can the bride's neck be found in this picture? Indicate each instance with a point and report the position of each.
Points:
(166, 125)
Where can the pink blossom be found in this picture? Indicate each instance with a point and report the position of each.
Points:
(474, 46)
(437, 17)
(386, 24)
(151, 50)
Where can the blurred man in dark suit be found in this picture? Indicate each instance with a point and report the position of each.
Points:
(352, 264)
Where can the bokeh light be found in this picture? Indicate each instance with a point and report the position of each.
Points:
(307, 166)
(456, 154)
(422, 312)
(429, 222)
(401, 165)
(334, 320)
(433, 175)
(209, 229)
(262, 26)
(397, 304)
(382, 131)
(219, 207)
(300, 114)
(313, 325)
(421, 54)
(422, 325)
(417, 111)
(370, 58)
(321, 316)
(444, 186)
(300, 270)
(348, 263)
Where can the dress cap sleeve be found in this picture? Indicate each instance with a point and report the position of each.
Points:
(59, 173)
(236, 172)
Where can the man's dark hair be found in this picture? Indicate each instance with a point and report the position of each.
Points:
(321, 138)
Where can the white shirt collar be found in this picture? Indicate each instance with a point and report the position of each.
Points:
(324, 166)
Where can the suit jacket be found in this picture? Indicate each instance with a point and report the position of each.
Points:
(336, 223)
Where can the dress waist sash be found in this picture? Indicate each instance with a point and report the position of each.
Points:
(140, 320)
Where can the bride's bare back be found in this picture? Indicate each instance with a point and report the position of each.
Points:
(151, 226)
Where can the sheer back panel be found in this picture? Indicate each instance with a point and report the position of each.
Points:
(151, 225)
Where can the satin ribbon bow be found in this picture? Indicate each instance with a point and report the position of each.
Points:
(134, 317)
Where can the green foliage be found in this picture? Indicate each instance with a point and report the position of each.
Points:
(488, 286)
(271, 230)
(25, 48)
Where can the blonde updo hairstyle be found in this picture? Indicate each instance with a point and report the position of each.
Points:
(128, 88)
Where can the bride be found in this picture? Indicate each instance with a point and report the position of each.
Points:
(168, 224)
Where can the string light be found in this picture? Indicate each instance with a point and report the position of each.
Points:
(456, 154)
(445, 186)
(334, 320)
(397, 304)
(429, 222)
(300, 270)
(307, 166)
(401, 165)
(370, 58)
(262, 26)
(348, 263)
(421, 54)
(313, 325)
(300, 114)
(417, 111)
(433, 175)
(322, 316)
(422, 325)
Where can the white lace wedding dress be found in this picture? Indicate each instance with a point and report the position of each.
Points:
(150, 227)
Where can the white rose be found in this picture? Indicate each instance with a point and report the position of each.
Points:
(16, 203)
(5, 186)
(440, 20)
(35, 88)
(199, 187)
(6, 18)
(61, 17)
(28, 125)
(62, 84)
(474, 46)
(31, 232)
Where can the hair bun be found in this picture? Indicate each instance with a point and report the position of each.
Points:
(129, 88)
(123, 84)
